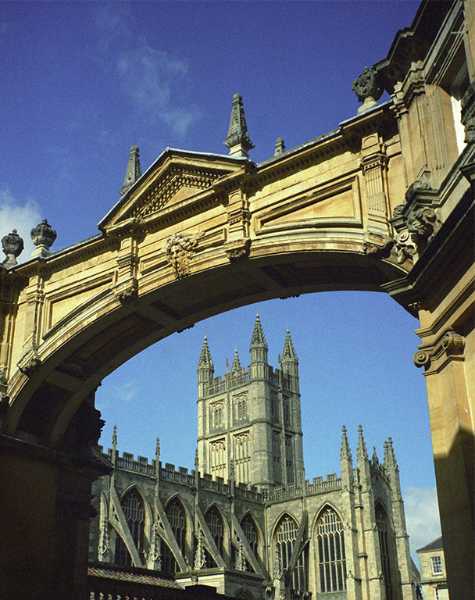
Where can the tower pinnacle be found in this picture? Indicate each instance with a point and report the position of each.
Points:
(236, 362)
(238, 140)
(345, 451)
(288, 353)
(133, 171)
(361, 451)
(258, 338)
(205, 361)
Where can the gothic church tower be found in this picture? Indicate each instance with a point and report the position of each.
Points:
(249, 420)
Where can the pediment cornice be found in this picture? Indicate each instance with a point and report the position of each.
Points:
(176, 180)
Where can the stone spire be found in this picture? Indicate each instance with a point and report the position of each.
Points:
(288, 353)
(205, 356)
(133, 171)
(279, 147)
(157, 457)
(205, 368)
(345, 451)
(258, 338)
(238, 140)
(362, 452)
(390, 462)
(114, 445)
(236, 362)
(258, 350)
(374, 457)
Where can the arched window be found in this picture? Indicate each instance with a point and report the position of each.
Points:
(177, 518)
(284, 540)
(331, 552)
(250, 531)
(216, 526)
(384, 541)
(134, 512)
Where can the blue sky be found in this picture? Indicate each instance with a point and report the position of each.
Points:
(82, 81)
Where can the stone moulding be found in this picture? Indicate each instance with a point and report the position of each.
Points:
(451, 345)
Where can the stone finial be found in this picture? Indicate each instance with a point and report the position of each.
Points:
(43, 237)
(390, 461)
(133, 171)
(12, 245)
(345, 451)
(288, 353)
(114, 438)
(196, 459)
(157, 449)
(361, 451)
(374, 457)
(236, 362)
(205, 361)
(367, 88)
(279, 147)
(258, 338)
(238, 140)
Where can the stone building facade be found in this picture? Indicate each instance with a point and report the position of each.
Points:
(433, 571)
(246, 520)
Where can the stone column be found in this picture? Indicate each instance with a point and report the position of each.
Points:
(45, 507)
(449, 372)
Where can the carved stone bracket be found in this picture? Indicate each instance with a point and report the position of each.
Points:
(415, 224)
(29, 363)
(179, 249)
(238, 249)
(450, 345)
(127, 293)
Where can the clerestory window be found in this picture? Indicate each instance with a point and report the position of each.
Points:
(134, 512)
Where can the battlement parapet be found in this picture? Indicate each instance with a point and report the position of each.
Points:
(230, 381)
(318, 485)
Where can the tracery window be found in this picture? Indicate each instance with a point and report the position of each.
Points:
(216, 417)
(216, 526)
(384, 547)
(242, 457)
(177, 518)
(218, 458)
(284, 539)
(240, 409)
(331, 552)
(134, 512)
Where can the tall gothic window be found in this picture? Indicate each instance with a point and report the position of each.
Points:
(331, 552)
(134, 511)
(242, 457)
(250, 531)
(177, 518)
(384, 545)
(218, 458)
(216, 416)
(216, 526)
(284, 539)
(240, 409)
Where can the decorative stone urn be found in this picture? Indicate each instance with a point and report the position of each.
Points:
(367, 88)
(42, 236)
(12, 245)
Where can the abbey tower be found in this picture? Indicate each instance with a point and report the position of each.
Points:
(254, 408)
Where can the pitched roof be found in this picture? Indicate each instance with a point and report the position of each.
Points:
(435, 545)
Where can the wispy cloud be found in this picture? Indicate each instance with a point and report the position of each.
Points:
(150, 78)
(124, 393)
(422, 516)
(21, 215)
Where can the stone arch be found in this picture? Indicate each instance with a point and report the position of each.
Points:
(147, 506)
(177, 517)
(260, 533)
(186, 508)
(326, 504)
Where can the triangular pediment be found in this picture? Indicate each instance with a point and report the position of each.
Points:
(176, 178)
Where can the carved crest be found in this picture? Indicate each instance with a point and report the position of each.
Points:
(179, 249)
